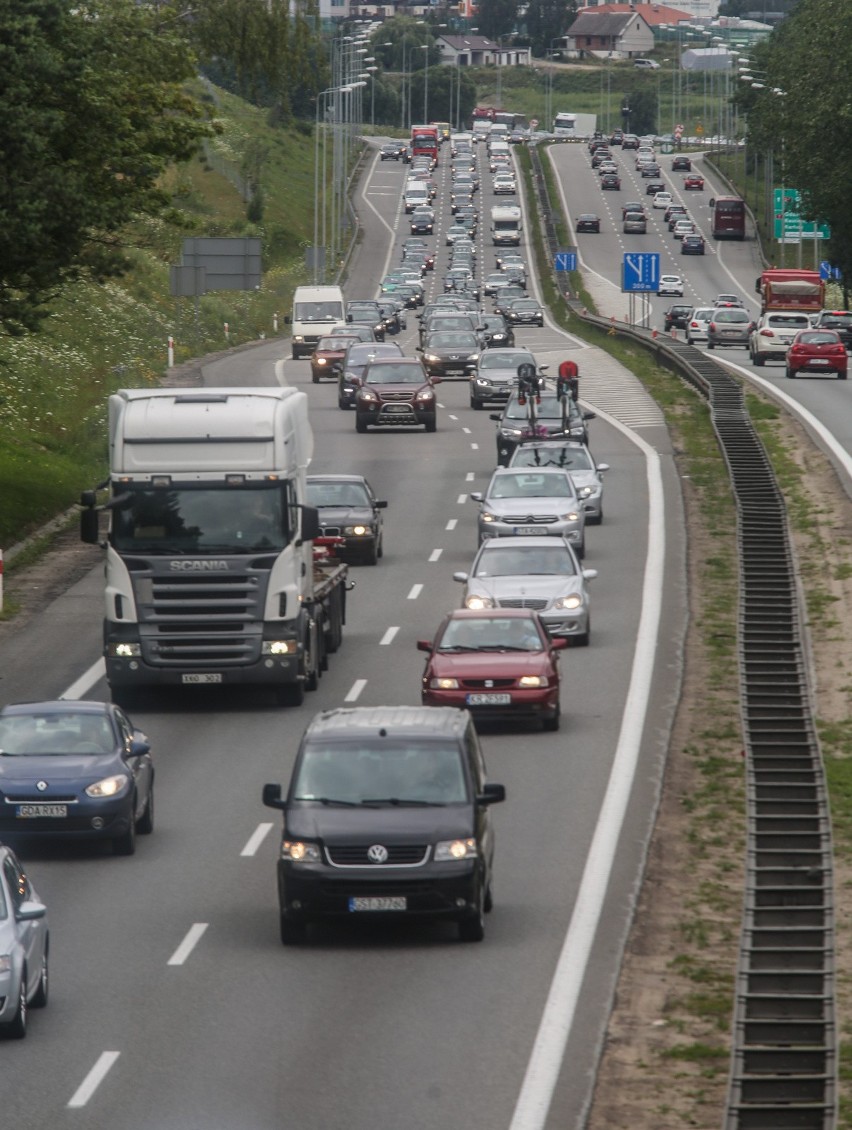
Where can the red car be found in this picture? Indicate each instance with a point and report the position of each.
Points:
(327, 358)
(497, 663)
(817, 351)
(693, 181)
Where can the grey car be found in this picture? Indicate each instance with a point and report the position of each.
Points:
(577, 460)
(532, 572)
(24, 946)
(730, 325)
(497, 375)
(348, 508)
(531, 502)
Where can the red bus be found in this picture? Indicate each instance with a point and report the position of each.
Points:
(425, 140)
(728, 218)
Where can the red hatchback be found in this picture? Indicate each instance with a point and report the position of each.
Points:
(693, 182)
(817, 351)
(497, 663)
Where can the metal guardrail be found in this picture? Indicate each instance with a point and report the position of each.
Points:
(783, 1073)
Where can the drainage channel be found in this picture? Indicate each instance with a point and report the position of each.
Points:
(783, 1072)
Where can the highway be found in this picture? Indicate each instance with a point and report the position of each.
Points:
(174, 1006)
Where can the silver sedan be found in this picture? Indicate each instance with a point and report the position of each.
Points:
(24, 945)
(577, 460)
(531, 502)
(539, 573)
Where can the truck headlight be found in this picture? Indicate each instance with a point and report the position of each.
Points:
(123, 650)
(279, 647)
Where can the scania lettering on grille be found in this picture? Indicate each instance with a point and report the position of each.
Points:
(198, 566)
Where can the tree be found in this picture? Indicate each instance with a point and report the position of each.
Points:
(642, 116)
(548, 20)
(497, 17)
(92, 110)
(807, 62)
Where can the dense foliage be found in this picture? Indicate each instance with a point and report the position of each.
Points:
(800, 110)
(92, 110)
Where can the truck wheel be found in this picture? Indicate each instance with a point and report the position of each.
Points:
(128, 698)
(293, 694)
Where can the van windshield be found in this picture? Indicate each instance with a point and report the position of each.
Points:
(329, 311)
(380, 771)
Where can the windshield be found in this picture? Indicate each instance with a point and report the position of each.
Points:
(333, 343)
(569, 458)
(360, 356)
(402, 374)
(491, 634)
(337, 494)
(382, 771)
(23, 735)
(509, 561)
(526, 485)
(452, 340)
(549, 409)
(331, 311)
(220, 519)
(505, 360)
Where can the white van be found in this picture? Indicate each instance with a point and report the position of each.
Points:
(315, 310)
(415, 195)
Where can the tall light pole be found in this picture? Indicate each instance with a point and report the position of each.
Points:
(372, 73)
(425, 47)
(320, 203)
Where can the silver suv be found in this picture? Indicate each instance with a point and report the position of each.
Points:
(773, 333)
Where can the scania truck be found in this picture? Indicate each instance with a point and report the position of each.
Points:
(211, 576)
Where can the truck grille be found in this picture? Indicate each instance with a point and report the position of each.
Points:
(201, 619)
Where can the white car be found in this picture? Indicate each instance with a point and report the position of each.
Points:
(662, 199)
(772, 335)
(670, 284)
(696, 327)
(682, 228)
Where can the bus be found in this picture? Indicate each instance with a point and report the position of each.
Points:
(564, 124)
(728, 220)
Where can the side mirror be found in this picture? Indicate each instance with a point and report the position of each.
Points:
(590, 415)
(543, 368)
(30, 911)
(558, 643)
(139, 748)
(475, 496)
(272, 796)
(589, 574)
(288, 320)
(381, 504)
(310, 523)
(602, 467)
(89, 525)
(495, 416)
(493, 794)
(436, 380)
(460, 577)
(424, 645)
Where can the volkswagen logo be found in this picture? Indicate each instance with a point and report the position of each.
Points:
(41, 786)
(378, 853)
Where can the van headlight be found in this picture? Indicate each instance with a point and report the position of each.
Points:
(448, 851)
(297, 851)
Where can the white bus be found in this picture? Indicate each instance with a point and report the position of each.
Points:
(564, 125)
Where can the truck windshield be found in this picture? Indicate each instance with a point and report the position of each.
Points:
(214, 519)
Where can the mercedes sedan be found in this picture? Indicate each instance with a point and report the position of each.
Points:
(531, 502)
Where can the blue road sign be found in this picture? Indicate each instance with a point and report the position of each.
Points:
(828, 273)
(640, 271)
(565, 261)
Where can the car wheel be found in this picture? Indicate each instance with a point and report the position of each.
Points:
(360, 425)
(842, 376)
(583, 640)
(292, 933)
(758, 360)
(472, 926)
(341, 404)
(315, 378)
(476, 405)
(372, 557)
(710, 345)
(40, 997)
(789, 373)
(125, 844)
(432, 425)
(551, 724)
(17, 1029)
(312, 668)
(488, 901)
(581, 550)
(145, 826)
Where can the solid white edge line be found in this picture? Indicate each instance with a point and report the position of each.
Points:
(94, 1079)
(546, 1058)
(87, 680)
(415, 591)
(354, 692)
(256, 839)
(193, 937)
(389, 636)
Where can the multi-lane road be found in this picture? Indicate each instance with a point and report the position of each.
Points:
(173, 1004)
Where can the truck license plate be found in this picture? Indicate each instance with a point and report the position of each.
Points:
(34, 811)
(201, 678)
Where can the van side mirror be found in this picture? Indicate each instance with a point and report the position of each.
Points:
(272, 796)
(493, 794)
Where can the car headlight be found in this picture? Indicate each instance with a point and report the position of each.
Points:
(321, 360)
(446, 851)
(509, 432)
(487, 516)
(571, 516)
(357, 531)
(296, 851)
(444, 684)
(431, 358)
(109, 786)
(474, 601)
(533, 681)
(567, 603)
(472, 360)
(483, 382)
(364, 394)
(584, 492)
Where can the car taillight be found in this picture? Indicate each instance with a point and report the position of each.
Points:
(767, 333)
(712, 327)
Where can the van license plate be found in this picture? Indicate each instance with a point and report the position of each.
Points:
(201, 678)
(389, 903)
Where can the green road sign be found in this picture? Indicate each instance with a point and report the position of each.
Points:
(789, 225)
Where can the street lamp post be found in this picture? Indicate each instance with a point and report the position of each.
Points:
(425, 47)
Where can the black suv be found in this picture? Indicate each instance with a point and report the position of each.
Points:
(514, 424)
(676, 317)
(838, 320)
(387, 812)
